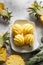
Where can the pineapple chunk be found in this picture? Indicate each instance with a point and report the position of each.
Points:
(41, 19)
(3, 55)
(1, 5)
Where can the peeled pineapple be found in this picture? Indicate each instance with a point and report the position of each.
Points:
(19, 40)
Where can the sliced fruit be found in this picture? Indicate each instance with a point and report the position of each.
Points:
(41, 19)
(2, 5)
(3, 55)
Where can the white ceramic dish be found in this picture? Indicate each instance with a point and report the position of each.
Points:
(24, 49)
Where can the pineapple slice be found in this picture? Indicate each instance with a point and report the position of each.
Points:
(2, 6)
(3, 55)
(41, 19)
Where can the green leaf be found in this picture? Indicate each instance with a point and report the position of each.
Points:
(36, 59)
(6, 13)
(6, 36)
(4, 39)
(36, 8)
(1, 40)
(42, 39)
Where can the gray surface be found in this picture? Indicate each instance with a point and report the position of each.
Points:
(19, 9)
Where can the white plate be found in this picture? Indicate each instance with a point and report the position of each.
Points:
(24, 49)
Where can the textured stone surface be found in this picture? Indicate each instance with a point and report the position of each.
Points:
(19, 9)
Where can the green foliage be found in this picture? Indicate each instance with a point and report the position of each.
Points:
(42, 39)
(35, 8)
(37, 59)
(6, 14)
(4, 39)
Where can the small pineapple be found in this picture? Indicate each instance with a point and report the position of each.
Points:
(5, 15)
(37, 10)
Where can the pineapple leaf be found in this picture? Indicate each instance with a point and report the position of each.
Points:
(36, 8)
